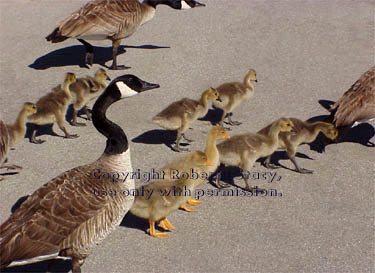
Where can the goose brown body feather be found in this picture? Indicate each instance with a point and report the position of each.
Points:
(103, 19)
(358, 103)
(65, 216)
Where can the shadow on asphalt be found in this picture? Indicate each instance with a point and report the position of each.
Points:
(75, 55)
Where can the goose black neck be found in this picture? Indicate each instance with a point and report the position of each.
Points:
(154, 3)
(117, 142)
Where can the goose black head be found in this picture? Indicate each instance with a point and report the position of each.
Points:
(175, 4)
(129, 85)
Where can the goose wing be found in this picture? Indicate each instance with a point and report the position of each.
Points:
(358, 103)
(55, 216)
(101, 19)
(4, 141)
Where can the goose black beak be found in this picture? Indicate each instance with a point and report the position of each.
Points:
(148, 86)
(219, 99)
(194, 4)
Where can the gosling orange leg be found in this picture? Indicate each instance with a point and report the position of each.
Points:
(188, 209)
(165, 224)
(153, 232)
(193, 201)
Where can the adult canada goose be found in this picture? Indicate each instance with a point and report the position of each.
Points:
(179, 115)
(243, 150)
(233, 94)
(356, 105)
(86, 89)
(164, 196)
(110, 20)
(52, 108)
(68, 216)
(305, 132)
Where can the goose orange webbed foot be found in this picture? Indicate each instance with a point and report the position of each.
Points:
(186, 208)
(154, 233)
(194, 201)
(166, 225)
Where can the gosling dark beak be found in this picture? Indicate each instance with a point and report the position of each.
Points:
(194, 4)
(148, 86)
(219, 99)
(256, 80)
(108, 78)
(293, 130)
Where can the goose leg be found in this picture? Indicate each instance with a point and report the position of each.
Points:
(268, 163)
(86, 110)
(33, 133)
(76, 265)
(61, 123)
(74, 122)
(153, 232)
(89, 58)
(11, 167)
(217, 181)
(114, 66)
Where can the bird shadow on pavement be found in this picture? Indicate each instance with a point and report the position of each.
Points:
(213, 116)
(157, 136)
(40, 130)
(75, 55)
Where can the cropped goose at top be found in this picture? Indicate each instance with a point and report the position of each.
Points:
(110, 20)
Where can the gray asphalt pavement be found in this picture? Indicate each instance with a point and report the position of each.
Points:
(303, 52)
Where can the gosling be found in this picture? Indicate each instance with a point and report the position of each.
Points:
(52, 108)
(181, 114)
(306, 132)
(233, 94)
(85, 90)
(243, 150)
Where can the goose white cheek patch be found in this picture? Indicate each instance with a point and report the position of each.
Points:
(184, 5)
(125, 90)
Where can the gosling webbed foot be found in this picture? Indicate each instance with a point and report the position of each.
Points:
(118, 67)
(12, 167)
(186, 208)
(220, 185)
(193, 201)
(166, 225)
(78, 124)
(187, 139)
(304, 171)
(272, 166)
(71, 136)
(180, 149)
(37, 141)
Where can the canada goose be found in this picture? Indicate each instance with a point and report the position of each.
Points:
(52, 108)
(179, 115)
(305, 133)
(69, 215)
(356, 105)
(110, 20)
(164, 196)
(243, 150)
(86, 89)
(233, 93)
(216, 133)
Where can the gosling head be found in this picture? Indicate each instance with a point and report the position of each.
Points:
(199, 158)
(29, 107)
(101, 75)
(253, 75)
(286, 125)
(70, 78)
(330, 131)
(219, 132)
(213, 94)
(127, 86)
